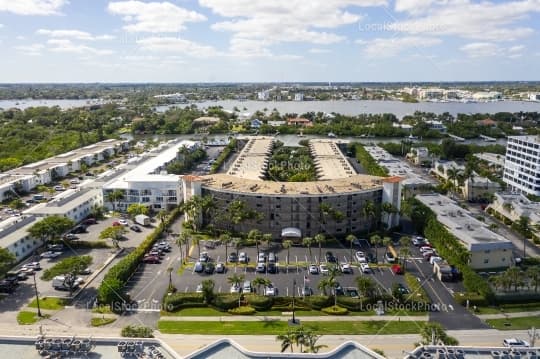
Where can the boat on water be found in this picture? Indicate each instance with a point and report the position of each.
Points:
(331, 135)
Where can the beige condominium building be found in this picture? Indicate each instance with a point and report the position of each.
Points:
(297, 209)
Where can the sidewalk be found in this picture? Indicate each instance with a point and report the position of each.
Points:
(509, 315)
(329, 318)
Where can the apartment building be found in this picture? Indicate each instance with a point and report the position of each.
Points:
(522, 164)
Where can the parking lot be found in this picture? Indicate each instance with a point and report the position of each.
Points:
(25, 289)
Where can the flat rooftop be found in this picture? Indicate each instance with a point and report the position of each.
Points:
(430, 351)
(63, 202)
(252, 161)
(329, 160)
(460, 222)
(492, 158)
(356, 183)
(529, 138)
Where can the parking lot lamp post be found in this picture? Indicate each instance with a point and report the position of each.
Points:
(37, 296)
(293, 290)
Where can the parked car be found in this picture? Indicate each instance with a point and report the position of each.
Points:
(246, 288)
(330, 257)
(220, 268)
(32, 265)
(59, 188)
(425, 248)
(56, 247)
(396, 269)
(79, 229)
(515, 343)
(198, 268)
(360, 257)
(70, 237)
(235, 288)
(261, 257)
(272, 268)
(123, 222)
(50, 254)
(270, 290)
(151, 259)
(135, 228)
(243, 258)
(306, 291)
(199, 288)
(313, 269)
(323, 268)
(345, 268)
(203, 257)
(435, 259)
(402, 289)
(90, 221)
(233, 258)
(22, 275)
(116, 224)
(371, 258)
(209, 268)
(86, 271)
(418, 240)
(365, 268)
(260, 268)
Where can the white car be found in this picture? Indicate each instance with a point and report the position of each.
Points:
(313, 269)
(204, 257)
(360, 257)
(515, 343)
(345, 268)
(434, 259)
(50, 254)
(235, 289)
(270, 290)
(323, 268)
(365, 268)
(242, 257)
(123, 222)
(199, 288)
(425, 249)
(32, 265)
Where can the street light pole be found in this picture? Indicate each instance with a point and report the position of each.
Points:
(293, 290)
(37, 296)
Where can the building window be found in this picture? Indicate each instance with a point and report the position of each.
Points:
(486, 261)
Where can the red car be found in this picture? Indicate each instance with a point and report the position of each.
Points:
(116, 224)
(90, 221)
(151, 259)
(396, 269)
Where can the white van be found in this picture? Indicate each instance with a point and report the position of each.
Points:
(247, 287)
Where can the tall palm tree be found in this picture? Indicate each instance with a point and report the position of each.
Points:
(114, 197)
(308, 242)
(310, 341)
(388, 209)
(516, 276)
(376, 241)
(524, 228)
(351, 238)
(369, 212)
(182, 240)
(320, 239)
(386, 242)
(454, 175)
(287, 244)
(533, 274)
(404, 250)
(197, 241)
(236, 280)
(333, 273)
(324, 284)
(255, 235)
(169, 270)
(260, 281)
(162, 216)
(226, 239)
(267, 238)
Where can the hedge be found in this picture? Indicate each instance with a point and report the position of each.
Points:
(134, 331)
(518, 298)
(319, 302)
(223, 156)
(177, 301)
(368, 163)
(87, 244)
(259, 302)
(246, 310)
(335, 310)
(225, 302)
(111, 289)
(473, 298)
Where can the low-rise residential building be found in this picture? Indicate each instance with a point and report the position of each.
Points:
(512, 206)
(15, 238)
(420, 156)
(493, 159)
(436, 125)
(487, 248)
(299, 122)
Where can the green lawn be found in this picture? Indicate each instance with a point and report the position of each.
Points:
(195, 312)
(512, 309)
(278, 327)
(98, 322)
(520, 323)
(26, 318)
(102, 309)
(48, 303)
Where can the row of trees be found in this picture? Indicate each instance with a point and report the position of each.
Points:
(516, 278)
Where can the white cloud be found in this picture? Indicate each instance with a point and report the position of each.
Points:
(319, 51)
(31, 50)
(153, 16)
(67, 46)
(176, 45)
(278, 21)
(73, 34)
(33, 7)
(489, 49)
(388, 47)
(484, 21)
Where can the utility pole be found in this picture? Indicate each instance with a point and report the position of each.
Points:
(533, 335)
(37, 296)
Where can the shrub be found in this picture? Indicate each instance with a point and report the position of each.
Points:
(259, 302)
(223, 156)
(177, 301)
(318, 302)
(473, 298)
(87, 244)
(246, 310)
(98, 322)
(335, 310)
(225, 302)
(135, 331)
(368, 163)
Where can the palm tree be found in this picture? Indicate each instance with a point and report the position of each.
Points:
(376, 241)
(434, 334)
(369, 212)
(182, 239)
(260, 281)
(226, 239)
(170, 270)
(333, 273)
(287, 244)
(208, 290)
(351, 238)
(162, 216)
(516, 276)
(114, 197)
(404, 250)
(386, 242)
(197, 241)
(533, 273)
(308, 242)
(320, 239)
(388, 209)
(236, 280)
(310, 341)
(366, 286)
(287, 340)
(255, 235)
(453, 175)
(324, 284)
(267, 238)
(523, 226)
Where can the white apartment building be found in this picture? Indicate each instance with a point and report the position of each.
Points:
(534, 96)
(15, 238)
(514, 205)
(263, 95)
(522, 164)
(299, 96)
(149, 183)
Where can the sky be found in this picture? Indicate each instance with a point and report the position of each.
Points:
(269, 41)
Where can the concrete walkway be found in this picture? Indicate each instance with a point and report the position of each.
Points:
(329, 318)
(509, 315)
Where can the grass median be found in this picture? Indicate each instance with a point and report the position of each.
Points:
(519, 323)
(275, 327)
(48, 303)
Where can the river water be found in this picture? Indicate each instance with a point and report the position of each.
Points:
(398, 108)
(64, 104)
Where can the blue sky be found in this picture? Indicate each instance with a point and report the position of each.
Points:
(270, 40)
